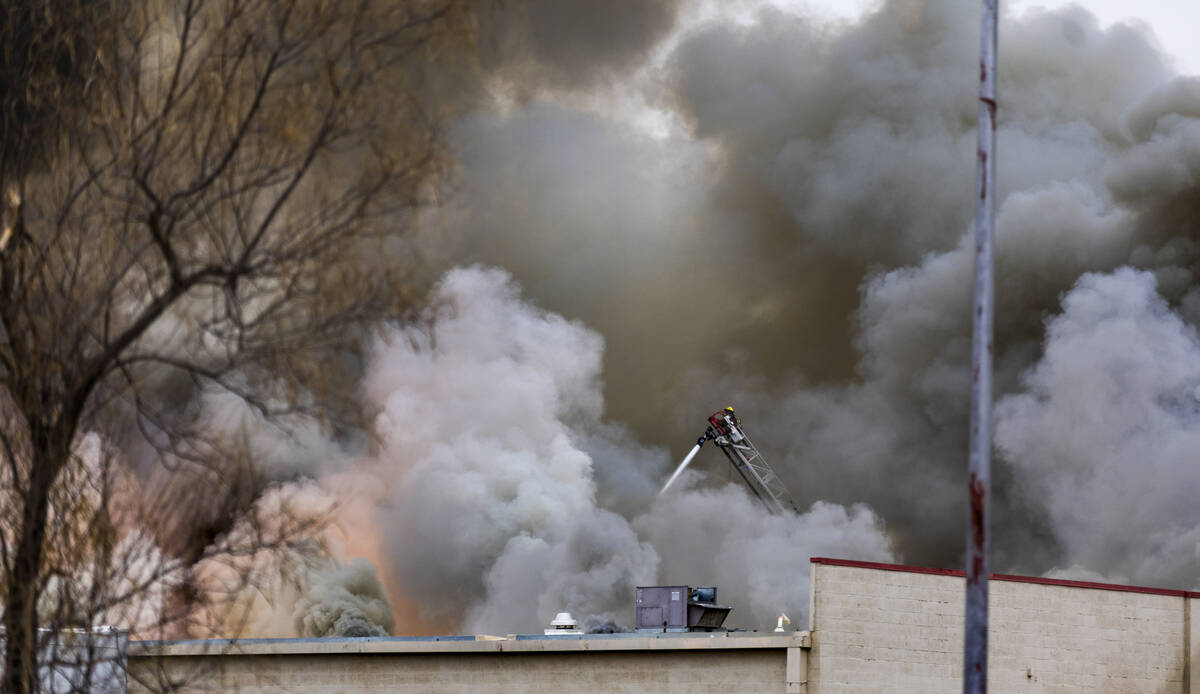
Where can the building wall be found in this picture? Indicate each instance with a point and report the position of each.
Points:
(633, 664)
(875, 628)
(886, 629)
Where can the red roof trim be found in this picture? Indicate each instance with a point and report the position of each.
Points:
(887, 567)
(1006, 577)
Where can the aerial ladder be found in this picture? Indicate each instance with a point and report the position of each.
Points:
(725, 429)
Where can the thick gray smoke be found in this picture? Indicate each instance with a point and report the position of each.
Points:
(344, 600)
(758, 561)
(492, 423)
(494, 510)
(568, 44)
(791, 235)
(774, 212)
(1106, 433)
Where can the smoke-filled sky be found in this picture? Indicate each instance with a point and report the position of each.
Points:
(667, 207)
(1172, 21)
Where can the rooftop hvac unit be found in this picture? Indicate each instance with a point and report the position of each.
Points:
(679, 608)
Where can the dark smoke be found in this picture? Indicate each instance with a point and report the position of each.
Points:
(775, 213)
(568, 44)
(344, 600)
(795, 242)
(597, 625)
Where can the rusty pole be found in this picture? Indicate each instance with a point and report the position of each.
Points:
(975, 642)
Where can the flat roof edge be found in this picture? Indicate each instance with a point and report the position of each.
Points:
(470, 644)
(1010, 578)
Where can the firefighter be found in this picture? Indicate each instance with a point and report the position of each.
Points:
(734, 424)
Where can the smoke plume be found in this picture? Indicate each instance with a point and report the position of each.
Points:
(758, 561)
(494, 438)
(785, 226)
(344, 600)
(1110, 418)
(788, 230)
(568, 44)
(681, 208)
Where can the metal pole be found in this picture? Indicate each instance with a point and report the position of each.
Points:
(975, 642)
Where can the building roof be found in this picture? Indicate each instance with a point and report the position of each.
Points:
(1012, 578)
(474, 644)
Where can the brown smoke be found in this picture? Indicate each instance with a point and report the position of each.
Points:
(791, 236)
(797, 245)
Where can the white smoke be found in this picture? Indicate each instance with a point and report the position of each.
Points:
(494, 519)
(1106, 434)
(758, 561)
(494, 497)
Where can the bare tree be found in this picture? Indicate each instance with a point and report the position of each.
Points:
(199, 197)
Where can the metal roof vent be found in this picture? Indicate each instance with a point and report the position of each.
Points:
(563, 623)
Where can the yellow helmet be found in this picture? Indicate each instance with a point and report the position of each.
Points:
(729, 408)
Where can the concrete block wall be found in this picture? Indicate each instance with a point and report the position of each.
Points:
(629, 664)
(883, 628)
(875, 628)
(717, 671)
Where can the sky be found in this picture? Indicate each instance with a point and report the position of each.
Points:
(1175, 22)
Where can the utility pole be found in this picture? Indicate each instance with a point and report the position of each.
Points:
(975, 641)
